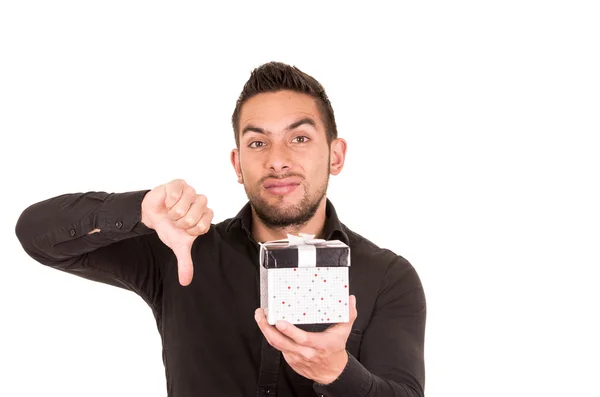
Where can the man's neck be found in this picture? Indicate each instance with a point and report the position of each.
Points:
(262, 233)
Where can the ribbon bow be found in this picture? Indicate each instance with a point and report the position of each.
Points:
(304, 239)
(300, 239)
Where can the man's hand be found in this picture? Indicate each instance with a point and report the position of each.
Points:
(179, 216)
(320, 356)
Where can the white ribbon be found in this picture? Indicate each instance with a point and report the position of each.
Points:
(306, 244)
(307, 250)
(304, 238)
(300, 239)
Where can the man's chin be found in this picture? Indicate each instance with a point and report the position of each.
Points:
(277, 214)
(281, 220)
(281, 211)
(282, 201)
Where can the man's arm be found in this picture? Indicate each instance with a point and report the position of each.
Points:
(97, 236)
(392, 348)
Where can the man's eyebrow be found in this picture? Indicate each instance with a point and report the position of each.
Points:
(251, 128)
(294, 125)
(306, 120)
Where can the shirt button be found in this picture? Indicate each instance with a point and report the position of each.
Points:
(72, 232)
(119, 224)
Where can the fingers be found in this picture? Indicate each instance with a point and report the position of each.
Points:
(185, 266)
(174, 191)
(296, 334)
(287, 335)
(187, 196)
(282, 342)
(272, 335)
(203, 224)
(353, 311)
(187, 209)
(195, 212)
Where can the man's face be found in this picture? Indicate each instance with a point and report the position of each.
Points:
(283, 158)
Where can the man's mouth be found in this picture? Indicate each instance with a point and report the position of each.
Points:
(281, 186)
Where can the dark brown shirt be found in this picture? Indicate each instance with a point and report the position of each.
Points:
(211, 344)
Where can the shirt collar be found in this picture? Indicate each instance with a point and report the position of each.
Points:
(333, 230)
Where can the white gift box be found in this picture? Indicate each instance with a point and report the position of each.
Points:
(305, 280)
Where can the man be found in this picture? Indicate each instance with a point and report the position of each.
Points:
(202, 279)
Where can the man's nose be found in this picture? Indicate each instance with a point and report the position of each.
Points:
(279, 158)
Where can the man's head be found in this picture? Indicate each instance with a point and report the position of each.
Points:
(277, 76)
(286, 144)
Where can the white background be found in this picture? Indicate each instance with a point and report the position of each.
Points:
(473, 152)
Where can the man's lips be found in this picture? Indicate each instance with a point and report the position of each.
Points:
(280, 183)
(281, 186)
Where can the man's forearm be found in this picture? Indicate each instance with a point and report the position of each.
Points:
(357, 381)
(74, 224)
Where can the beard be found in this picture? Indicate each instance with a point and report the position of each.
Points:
(282, 215)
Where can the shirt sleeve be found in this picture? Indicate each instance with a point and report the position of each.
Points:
(125, 253)
(392, 349)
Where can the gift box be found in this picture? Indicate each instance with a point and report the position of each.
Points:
(304, 280)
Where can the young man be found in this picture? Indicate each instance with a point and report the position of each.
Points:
(202, 279)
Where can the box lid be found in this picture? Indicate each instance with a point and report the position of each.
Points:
(304, 251)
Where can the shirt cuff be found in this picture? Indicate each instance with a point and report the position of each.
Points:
(354, 381)
(120, 215)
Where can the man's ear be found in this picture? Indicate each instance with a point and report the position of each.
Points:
(235, 162)
(337, 155)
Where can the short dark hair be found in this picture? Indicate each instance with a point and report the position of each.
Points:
(277, 76)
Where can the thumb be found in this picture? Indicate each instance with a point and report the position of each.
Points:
(185, 266)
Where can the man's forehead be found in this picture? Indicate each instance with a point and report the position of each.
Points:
(284, 107)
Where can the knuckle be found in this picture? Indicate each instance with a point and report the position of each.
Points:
(177, 185)
(202, 199)
(174, 184)
(203, 227)
(190, 190)
(308, 355)
(309, 340)
(172, 193)
(304, 340)
(199, 228)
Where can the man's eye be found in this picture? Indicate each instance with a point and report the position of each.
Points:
(256, 144)
(301, 139)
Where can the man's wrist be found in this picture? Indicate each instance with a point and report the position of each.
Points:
(144, 220)
(340, 362)
(355, 380)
